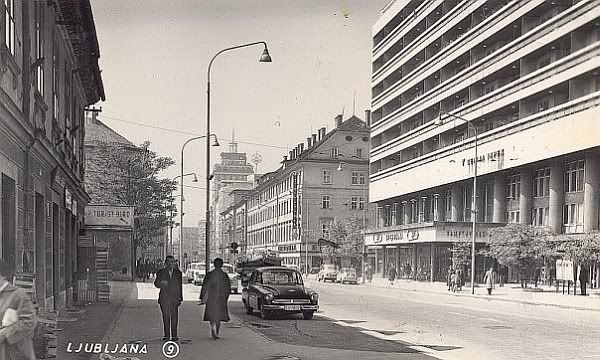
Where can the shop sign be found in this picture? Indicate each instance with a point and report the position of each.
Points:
(564, 270)
(108, 215)
(68, 200)
(403, 236)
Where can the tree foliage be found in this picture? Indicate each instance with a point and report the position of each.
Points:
(522, 247)
(461, 254)
(347, 234)
(584, 250)
(132, 178)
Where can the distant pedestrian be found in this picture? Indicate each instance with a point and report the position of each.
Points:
(583, 279)
(459, 280)
(369, 272)
(215, 293)
(392, 273)
(449, 278)
(536, 276)
(168, 280)
(18, 318)
(489, 280)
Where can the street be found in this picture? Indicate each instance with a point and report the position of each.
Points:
(354, 322)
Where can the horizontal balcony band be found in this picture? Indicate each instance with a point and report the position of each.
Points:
(529, 42)
(469, 40)
(568, 67)
(575, 122)
(405, 26)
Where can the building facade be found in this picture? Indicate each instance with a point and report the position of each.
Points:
(518, 81)
(48, 74)
(293, 207)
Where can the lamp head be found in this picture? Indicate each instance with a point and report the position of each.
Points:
(195, 178)
(215, 141)
(265, 57)
(340, 168)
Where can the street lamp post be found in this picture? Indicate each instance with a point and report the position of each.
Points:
(439, 122)
(265, 57)
(215, 143)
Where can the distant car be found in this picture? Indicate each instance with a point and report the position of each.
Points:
(314, 270)
(328, 272)
(195, 273)
(233, 276)
(279, 289)
(347, 275)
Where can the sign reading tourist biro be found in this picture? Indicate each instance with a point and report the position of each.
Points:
(109, 216)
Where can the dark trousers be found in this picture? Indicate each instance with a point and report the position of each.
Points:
(489, 291)
(170, 315)
(582, 285)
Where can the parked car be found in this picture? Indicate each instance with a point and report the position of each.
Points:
(328, 272)
(195, 273)
(347, 275)
(279, 289)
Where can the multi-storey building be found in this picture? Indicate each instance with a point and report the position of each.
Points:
(526, 76)
(48, 74)
(293, 207)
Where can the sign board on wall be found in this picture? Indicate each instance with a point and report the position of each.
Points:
(109, 215)
(564, 270)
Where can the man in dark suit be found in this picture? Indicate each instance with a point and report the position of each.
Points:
(168, 279)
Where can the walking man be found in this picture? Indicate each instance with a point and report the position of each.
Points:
(168, 279)
(583, 279)
(392, 273)
(489, 280)
(215, 293)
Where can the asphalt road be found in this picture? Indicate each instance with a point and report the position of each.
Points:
(457, 327)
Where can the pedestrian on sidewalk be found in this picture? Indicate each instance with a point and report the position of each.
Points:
(449, 278)
(168, 279)
(18, 318)
(459, 279)
(536, 276)
(215, 293)
(392, 273)
(369, 273)
(490, 280)
(583, 279)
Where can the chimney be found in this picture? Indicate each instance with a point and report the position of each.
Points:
(285, 158)
(338, 120)
(321, 133)
(368, 117)
(300, 148)
(291, 155)
(294, 153)
(314, 139)
(308, 142)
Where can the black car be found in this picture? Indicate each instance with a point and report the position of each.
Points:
(278, 289)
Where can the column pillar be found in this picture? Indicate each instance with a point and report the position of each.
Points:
(439, 200)
(499, 199)
(479, 201)
(381, 216)
(398, 259)
(414, 262)
(557, 196)
(526, 197)
(591, 199)
(432, 262)
(384, 261)
(457, 204)
(407, 212)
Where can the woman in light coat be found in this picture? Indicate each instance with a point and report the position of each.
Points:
(490, 280)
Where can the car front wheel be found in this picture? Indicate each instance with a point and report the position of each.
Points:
(264, 314)
(307, 315)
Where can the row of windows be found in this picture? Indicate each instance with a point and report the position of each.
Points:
(356, 178)
(356, 202)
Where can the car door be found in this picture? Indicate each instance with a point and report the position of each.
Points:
(251, 290)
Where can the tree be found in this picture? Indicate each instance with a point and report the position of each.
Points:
(131, 177)
(522, 247)
(461, 254)
(347, 234)
(584, 250)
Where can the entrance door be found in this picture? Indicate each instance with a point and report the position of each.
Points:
(8, 221)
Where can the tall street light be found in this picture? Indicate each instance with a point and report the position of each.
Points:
(182, 199)
(265, 57)
(214, 143)
(438, 122)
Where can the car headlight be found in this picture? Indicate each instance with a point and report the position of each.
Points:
(314, 296)
(269, 297)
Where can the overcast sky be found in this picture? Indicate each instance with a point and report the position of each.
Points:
(154, 58)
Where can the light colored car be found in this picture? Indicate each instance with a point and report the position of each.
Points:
(195, 273)
(347, 275)
(234, 277)
(328, 272)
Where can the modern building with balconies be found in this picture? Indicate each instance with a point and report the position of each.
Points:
(519, 80)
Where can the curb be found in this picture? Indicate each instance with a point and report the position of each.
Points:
(482, 297)
(248, 326)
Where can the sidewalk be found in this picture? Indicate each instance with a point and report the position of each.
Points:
(509, 292)
(133, 317)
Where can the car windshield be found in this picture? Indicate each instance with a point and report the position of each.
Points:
(281, 277)
(350, 271)
(198, 266)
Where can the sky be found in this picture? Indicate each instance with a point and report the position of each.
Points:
(154, 57)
